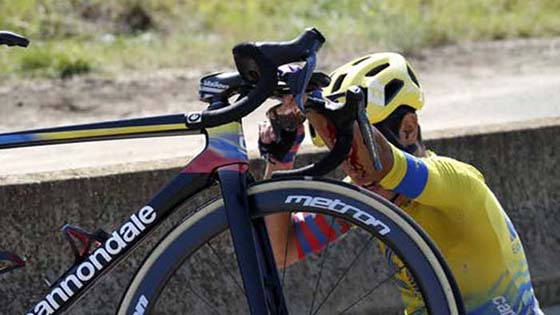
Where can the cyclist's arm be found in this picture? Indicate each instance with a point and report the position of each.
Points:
(302, 233)
(280, 226)
(435, 181)
(358, 165)
(307, 233)
(294, 236)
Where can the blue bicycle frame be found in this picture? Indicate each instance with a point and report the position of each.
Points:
(224, 158)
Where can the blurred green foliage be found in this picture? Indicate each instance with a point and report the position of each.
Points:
(77, 36)
(60, 59)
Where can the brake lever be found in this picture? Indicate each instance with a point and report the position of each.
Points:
(307, 70)
(369, 137)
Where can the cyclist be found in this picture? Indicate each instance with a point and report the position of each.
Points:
(448, 198)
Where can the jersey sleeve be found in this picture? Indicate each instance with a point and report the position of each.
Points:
(315, 231)
(435, 181)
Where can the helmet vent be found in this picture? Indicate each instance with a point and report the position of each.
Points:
(373, 72)
(360, 60)
(392, 89)
(338, 83)
(412, 75)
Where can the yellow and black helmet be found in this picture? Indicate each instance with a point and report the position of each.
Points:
(388, 80)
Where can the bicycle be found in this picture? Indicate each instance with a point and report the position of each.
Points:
(244, 202)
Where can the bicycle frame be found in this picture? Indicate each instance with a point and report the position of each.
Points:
(224, 158)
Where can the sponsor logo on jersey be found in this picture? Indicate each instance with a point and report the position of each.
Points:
(502, 305)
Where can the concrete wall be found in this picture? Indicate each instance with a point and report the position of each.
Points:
(519, 165)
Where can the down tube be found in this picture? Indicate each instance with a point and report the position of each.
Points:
(225, 146)
(80, 278)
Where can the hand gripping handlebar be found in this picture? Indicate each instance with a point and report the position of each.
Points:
(258, 63)
(343, 117)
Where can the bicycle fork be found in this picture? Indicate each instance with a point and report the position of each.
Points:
(254, 253)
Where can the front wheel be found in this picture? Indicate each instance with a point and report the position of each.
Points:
(193, 270)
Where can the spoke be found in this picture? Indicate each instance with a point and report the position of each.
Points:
(339, 280)
(372, 290)
(231, 275)
(204, 300)
(286, 248)
(324, 258)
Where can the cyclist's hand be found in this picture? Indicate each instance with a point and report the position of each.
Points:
(358, 164)
(280, 137)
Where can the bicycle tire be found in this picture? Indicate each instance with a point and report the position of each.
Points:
(426, 264)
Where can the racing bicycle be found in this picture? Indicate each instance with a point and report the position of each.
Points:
(227, 236)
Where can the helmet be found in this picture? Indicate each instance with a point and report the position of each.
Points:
(388, 81)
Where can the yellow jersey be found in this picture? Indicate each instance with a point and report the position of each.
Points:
(451, 202)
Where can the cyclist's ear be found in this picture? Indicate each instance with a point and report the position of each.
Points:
(409, 130)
